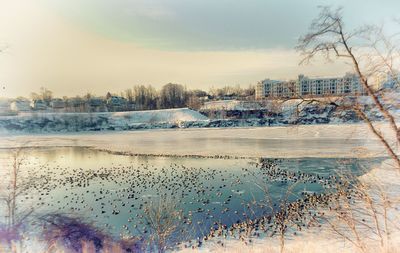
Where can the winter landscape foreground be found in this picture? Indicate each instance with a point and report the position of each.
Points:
(304, 142)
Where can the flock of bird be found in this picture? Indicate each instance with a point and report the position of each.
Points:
(211, 202)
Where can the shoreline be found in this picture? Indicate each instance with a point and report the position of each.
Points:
(323, 238)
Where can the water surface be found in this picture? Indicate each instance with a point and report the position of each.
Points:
(112, 191)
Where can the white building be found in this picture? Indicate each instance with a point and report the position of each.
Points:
(5, 109)
(275, 89)
(310, 87)
(20, 105)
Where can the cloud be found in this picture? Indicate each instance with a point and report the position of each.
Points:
(48, 49)
(212, 24)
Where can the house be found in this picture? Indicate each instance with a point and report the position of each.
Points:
(96, 104)
(57, 103)
(75, 104)
(20, 105)
(38, 104)
(5, 109)
(115, 103)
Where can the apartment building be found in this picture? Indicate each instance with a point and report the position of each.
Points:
(310, 87)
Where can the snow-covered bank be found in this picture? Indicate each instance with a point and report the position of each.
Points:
(349, 140)
(76, 122)
(383, 185)
(177, 118)
(215, 114)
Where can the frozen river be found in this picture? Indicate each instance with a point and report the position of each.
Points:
(110, 178)
(352, 140)
(113, 191)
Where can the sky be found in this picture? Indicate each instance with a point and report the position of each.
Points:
(77, 46)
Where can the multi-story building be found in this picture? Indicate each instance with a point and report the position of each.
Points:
(310, 87)
(275, 89)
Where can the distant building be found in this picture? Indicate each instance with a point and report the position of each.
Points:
(116, 101)
(4, 104)
(5, 109)
(310, 87)
(57, 103)
(392, 81)
(75, 102)
(96, 104)
(20, 105)
(275, 89)
(38, 104)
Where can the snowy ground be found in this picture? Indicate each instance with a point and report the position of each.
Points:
(288, 113)
(231, 105)
(39, 122)
(150, 116)
(348, 140)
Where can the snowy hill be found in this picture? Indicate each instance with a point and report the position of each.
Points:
(67, 122)
(158, 116)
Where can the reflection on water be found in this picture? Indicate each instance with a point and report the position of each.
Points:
(113, 190)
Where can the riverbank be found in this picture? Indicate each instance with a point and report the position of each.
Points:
(288, 113)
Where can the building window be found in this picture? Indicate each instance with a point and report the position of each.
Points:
(318, 89)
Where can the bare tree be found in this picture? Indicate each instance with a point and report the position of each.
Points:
(164, 220)
(173, 95)
(12, 189)
(17, 181)
(362, 211)
(9, 192)
(370, 53)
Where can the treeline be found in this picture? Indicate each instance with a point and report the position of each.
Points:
(146, 97)
(176, 96)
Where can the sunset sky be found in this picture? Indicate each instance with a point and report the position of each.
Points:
(76, 46)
